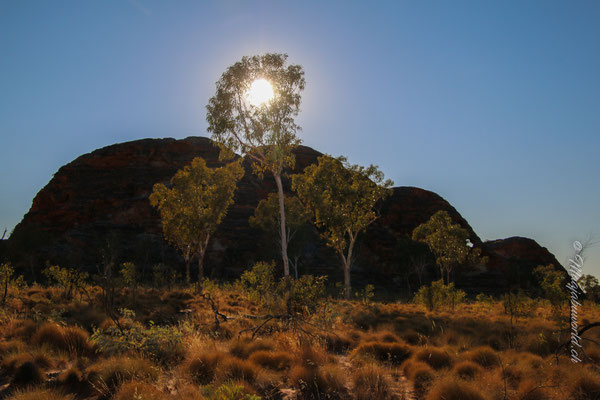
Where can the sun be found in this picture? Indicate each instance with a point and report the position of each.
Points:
(260, 92)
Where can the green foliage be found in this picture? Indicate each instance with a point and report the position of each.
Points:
(447, 241)
(366, 295)
(342, 198)
(230, 391)
(300, 296)
(7, 280)
(267, 132)
(518, 304)
(68, 279)
(591, 287)
(305, 293)
(259, 282)
(484, 299)
(267, 217)
(552, 283)
(161, 343)
(438, 295)
(194, 205)
(128, 274)
(163, 275)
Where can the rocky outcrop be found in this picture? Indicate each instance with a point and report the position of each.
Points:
(97, 206)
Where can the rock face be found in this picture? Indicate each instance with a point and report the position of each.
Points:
(97, 206)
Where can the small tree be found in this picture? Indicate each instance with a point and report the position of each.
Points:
(129, 276)
(447, 241)
(342, 198)
(552, 283)
(268, 218)
(194, 205)
(265, 132)
(7, 279)
(591, 287)
(68, 279)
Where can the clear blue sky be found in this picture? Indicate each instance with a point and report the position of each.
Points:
(493, 105)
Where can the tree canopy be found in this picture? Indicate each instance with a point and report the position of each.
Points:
(194, 205)
(264, 132)
(342, 198)
(447, 241)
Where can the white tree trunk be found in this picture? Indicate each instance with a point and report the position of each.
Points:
(286, 267)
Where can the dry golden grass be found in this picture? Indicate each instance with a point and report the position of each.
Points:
(394, 353)
(454, 389)
(467, 370)
(371, 382)
(40, 394)
(484, 356)
(235, 369)
(436, 358)
(107, 375)
(273, 360)
(315, 383)
(136, 390)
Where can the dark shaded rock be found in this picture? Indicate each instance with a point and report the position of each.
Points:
(97, 207)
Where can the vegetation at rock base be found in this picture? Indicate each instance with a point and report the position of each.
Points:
(266, 337)
(194, 205)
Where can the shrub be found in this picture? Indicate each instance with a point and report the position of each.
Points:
(467, 369)
(317, 384)
(161, 343)
(419, 373)
(370, 382)
(337, 343)
(259, 280)
(586, 386)
(26, 374)
(236, 369)
(450, 389)
(109, 374)
(277, 361)
(243, 348)
(139, 391)
(39, 393)
(437, 295)
(70, 280)
(484, 356)
(395, 353)
(436, 358)
(231, 391)
(202, 366)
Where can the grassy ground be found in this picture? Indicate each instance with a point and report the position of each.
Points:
(57, 348)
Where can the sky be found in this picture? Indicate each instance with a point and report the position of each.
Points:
(495, 106)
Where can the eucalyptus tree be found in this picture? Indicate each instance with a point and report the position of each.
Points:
(342, 198)
(253, 113)
(194, 205)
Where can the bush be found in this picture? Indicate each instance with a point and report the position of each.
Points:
(259, 280)
(419, 373)
(436, 358)
(586, 386)
(161, 343)
(234, 369)
(467, 369)
(370, 382)
(484, 356)
(202, 366)
(243, 348)
(437, 295)
(39, 393)
(26, 374)
(107, 375)
(71, 339)
(449, 389)
(139, 391)
(395, 353)
(315, 383)
(276, 361)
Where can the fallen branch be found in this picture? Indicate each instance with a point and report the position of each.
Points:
(580, 332)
